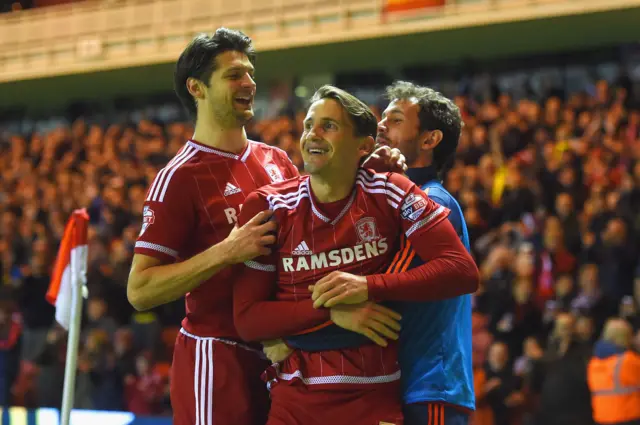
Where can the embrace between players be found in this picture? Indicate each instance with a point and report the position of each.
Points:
(319, 271)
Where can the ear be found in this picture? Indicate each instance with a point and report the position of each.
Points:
(430, 139)
(195, 87)
(366, 146)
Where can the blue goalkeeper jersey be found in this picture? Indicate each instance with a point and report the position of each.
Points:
(435, 341)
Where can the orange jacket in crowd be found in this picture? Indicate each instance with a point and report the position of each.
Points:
(614, 380)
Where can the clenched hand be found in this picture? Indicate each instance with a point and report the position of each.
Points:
(251, 240)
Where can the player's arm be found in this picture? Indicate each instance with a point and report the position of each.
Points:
(153, 282)
(448, 269)
(156, 277)
(257, 315)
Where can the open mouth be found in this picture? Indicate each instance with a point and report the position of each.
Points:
(245, 101)
(317, 151)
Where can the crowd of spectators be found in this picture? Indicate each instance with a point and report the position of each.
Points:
(550, 190)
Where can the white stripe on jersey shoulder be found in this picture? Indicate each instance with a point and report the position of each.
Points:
(289, 206)
(373, 177)
(371, 187)
(156, 247)
(428, 219)
(247, 152)
(163, 178)
(224, 154)
(289, 200)
(285, 197)
(382, 191)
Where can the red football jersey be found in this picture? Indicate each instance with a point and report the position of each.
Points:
(368, 236)
(193, 204)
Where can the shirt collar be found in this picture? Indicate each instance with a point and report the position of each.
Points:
(422, 175)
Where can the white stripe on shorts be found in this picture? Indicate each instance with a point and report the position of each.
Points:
(203, 382)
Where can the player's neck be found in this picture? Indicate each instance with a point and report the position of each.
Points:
(422, 161)
(333, 188)
(227, 139)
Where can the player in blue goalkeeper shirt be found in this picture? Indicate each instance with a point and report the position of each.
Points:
(435, 341)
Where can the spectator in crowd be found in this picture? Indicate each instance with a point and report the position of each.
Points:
(591, 300)
(502, 388)
(51, 361)
(145, 390)
(97, 318)
(629, 310)
(100, 360)
(516, 316)
(614, 376)
(10, 340)
(585, 332)
(37, 313)
(559, 378)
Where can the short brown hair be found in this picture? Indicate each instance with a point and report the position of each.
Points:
(198, 60)
(436, 113)
(364, 121)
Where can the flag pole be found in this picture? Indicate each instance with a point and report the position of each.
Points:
(78, 279)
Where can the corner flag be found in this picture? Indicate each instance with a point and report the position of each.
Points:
(70, 268)
(66, 292)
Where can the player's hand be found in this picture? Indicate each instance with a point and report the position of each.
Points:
(276, 350)
(374, 321)
(339, 288)
(251, 240)
(386, 159)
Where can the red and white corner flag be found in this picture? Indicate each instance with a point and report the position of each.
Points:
(70, 268)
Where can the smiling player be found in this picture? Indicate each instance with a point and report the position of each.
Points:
(343, 219)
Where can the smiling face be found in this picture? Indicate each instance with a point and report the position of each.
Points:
(328, 143)
(233, 88)
(400, 128)
(230, 92)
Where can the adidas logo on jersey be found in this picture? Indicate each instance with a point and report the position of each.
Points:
(231, 190)
(302, 249)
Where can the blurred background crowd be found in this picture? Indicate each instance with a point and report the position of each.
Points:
(547, 174)
(550, 190)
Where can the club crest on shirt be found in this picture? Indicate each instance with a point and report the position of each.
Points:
(274, 173)
(367, 230)
(413, 207)
(148, 217)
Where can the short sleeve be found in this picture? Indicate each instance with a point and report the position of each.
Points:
(168, 218)
(254, 204)
(416, 212)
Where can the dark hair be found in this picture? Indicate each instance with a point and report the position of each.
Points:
(364, 121)
(198, 60)
(436, 113)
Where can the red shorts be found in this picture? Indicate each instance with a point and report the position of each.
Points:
(299, 405)
(357, 386)
(215, 382)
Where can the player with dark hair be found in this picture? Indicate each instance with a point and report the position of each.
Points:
(435, 342)
(188, 242)
(343, 219)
